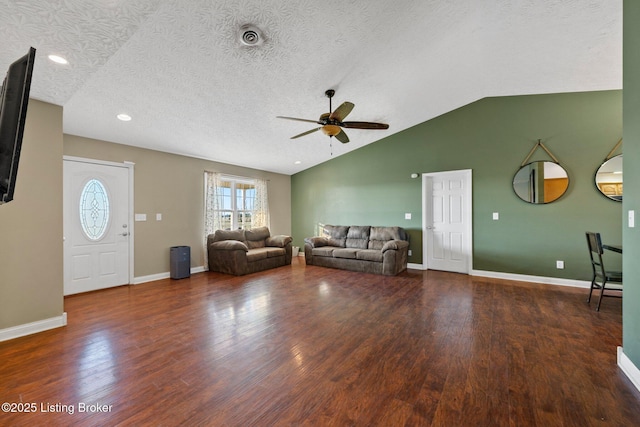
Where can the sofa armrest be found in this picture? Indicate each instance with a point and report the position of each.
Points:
(316, 242)
(395, 244)
(229, 245)
(279, 241)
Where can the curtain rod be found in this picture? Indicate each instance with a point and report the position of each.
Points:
(228, 175)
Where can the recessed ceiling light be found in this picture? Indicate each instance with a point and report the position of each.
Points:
(297, 162)
(124, 117)
(58, 59)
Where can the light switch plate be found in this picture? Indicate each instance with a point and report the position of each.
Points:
(632, 219)
(496, 216)
(158, 217)
(407, 216)
(141, 217)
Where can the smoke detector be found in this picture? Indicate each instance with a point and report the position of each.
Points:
(250, 35)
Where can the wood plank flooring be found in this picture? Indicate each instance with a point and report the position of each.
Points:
(312, 346)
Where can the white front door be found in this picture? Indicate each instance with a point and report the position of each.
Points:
(447, 231)
(97, 230)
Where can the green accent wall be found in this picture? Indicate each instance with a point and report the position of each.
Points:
(631, 238)
(492, 137)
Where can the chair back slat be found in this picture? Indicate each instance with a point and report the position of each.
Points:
(599, 272)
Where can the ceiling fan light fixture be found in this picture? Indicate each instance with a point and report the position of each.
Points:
(250, 35)
(331, 130)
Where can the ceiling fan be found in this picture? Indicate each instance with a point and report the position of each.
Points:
(332, 123)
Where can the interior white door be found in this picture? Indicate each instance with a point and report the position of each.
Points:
(96, 226)
(447, 221)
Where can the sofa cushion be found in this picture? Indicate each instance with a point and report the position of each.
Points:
(256, 236)
(317, 241)
(229, 245)
(369, 255)
(336, 235)
(278, 241)
(257, 254)
(274, 252)
(381, 235)
(349, 253)
(323, 251)
(358, 237)
(228, 235)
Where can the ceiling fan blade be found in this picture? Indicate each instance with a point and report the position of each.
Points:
(342, 137)
(342, 111)
(305, 133)
(298, 120)
(364, 125)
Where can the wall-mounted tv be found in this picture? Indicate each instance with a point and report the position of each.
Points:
(14, 98)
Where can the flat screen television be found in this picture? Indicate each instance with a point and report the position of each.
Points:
(14, 98)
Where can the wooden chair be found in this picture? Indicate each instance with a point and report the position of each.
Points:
(607, 278)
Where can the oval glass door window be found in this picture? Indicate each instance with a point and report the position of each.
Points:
(94, 209)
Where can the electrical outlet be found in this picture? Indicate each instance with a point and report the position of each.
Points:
(409, 252)
(496, 216)
(559, 265)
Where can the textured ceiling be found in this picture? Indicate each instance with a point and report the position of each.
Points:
(178, 67)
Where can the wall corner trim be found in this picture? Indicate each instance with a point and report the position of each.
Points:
(33, 327)
(630, 370)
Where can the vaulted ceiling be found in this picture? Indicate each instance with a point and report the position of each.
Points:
(180, 70)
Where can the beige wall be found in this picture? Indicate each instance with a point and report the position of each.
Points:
(31, 278)
(174, 186)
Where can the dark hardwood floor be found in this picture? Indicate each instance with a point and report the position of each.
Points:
(313, 346)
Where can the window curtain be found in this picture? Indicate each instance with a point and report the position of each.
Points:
(260, 214)
(214, 183)
(212, 199)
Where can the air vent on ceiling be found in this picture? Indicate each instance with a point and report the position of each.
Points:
(251, 35)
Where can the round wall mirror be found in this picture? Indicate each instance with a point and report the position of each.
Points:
(609, 178)
(540, 182)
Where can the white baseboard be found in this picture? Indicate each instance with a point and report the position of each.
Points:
(519, 277)
(534, 279)
(153, 277)
(33, 327)
(630, 370)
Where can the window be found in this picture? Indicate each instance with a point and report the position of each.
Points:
(234, 203)
(94, 209)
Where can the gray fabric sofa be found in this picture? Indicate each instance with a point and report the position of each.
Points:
(379, 250)
(241, 252)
